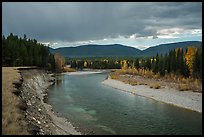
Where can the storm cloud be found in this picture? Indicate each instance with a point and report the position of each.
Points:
(96, 21)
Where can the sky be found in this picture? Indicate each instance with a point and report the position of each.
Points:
(135, 24)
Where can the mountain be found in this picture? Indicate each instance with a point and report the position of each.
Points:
(120, 50)
(165, 48)
(97, 51)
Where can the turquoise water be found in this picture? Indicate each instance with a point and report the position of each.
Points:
(105, 110)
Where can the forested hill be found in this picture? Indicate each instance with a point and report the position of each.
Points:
(165, 48)
(97, 51)
(120, 50)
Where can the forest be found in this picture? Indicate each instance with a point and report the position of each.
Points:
(17, 51)
(177, 61)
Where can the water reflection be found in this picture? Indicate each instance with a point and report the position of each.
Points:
(86, 101)
(59, 80)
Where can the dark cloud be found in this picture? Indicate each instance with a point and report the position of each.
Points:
(92, 21)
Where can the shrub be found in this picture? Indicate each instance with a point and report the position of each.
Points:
(113, 76)
(133, 83)
(156, 86)
(183, 87)
(66, 69)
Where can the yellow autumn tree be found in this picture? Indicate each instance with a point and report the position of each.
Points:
(189, 57)
(59, 61)
(105, 60)
(85, 64)
(124, 64)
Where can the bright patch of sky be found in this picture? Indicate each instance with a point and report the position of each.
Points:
(139, 42)
(136, 24)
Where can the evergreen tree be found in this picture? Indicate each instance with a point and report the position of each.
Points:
(148, 64)
(197, 63)
(156, 64)
(137, 65)
(24, 52)
(161, 65)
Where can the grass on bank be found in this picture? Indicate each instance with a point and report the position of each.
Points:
(184, 84)
(156, 86)
(13, 122)
(184, 87)
(67, 69)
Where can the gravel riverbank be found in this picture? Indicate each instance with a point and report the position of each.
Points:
(86, 72)
(185, 99)
(40, 117)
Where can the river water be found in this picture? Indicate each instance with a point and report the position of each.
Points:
(104, 110)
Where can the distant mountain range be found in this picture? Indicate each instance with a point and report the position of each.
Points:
(120, 50)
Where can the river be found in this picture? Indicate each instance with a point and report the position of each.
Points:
(104, 110)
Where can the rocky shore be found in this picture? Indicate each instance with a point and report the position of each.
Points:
(185, 99)
(40, 117)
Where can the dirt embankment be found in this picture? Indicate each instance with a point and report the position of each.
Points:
(38, 117)
(13, 121)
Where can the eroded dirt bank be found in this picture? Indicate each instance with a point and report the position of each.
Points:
(13, 120)
(38, 116)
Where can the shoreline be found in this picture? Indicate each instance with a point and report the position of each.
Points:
(86, 72)
(41, 118)
(184, 99)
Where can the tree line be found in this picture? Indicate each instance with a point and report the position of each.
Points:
(17, 51)
(177, 61)
(186, 63)
(95, 64)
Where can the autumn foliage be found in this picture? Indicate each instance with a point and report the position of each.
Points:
(189, 57)
(59, 62)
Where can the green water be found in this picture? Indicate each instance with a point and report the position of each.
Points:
(105, 110)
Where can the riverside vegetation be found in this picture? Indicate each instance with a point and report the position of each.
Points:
(179, 68)
(18, 53)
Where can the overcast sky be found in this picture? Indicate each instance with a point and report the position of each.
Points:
(135, 24)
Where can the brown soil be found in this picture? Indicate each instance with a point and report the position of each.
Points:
(13, 121)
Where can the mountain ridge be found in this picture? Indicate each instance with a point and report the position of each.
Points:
(94, 50)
